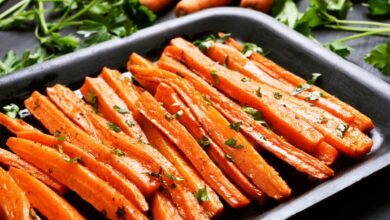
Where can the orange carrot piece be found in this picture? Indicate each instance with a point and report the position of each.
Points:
(360, 121)
(9, 159)
(156, 6)
(163, 208)
(173, 104)
(42, 198)
(78, 111)
(13, 201)
(136, 59)
(104, 172)
(185, 7)
(78, 178)
(14, 125)
(112, 107)
(348, 140)
(291, 126)
(237, 61)
(55, 121)
(260, 5)
(234, 113)
(213, 206)
(326, 153)
(156, 114)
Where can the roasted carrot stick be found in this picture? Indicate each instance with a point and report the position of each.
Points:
(78, 111)
(9, 159)
(14, 125)
(173, 104)
(56, 122)
(348, 140)
(232, 142)
(156, 114)
(112, 107)
(234, 113)
(360, 121)
(106, 173)
(237, 61)
(212, 206)
(286, 123)
(13, 201)
(156, 6)
(42, 198)
(163, 208)
(78, 178)
(260, 5)
(185, 7)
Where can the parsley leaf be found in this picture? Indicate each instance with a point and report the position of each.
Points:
(250, 48)
(113, 127)
(235, 125)
(121, 110)
(379, 57)
(339, 48)
(174, 178)
(13, 62)
(204, 142)
(176, 115)
(379, 7)
(277, 95)
(215, 76)
(118, 152)
(232, 143)
(288, 14)
(341, 129)
(11, 110)
(254, 113)
(202, 195)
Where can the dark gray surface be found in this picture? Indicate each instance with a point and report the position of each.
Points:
(367, 198)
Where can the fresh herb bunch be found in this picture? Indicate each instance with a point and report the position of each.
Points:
(89, 21)
(331, 14)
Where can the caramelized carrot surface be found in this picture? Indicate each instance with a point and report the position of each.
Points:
(42, 198)
(163, 208)
(14, 125)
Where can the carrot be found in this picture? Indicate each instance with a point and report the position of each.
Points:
(106, 173)
(9, 159)
(247, 159)
(348, 140)
(213, 206)
(163, 209)
(156, 114)
(237, 61)
(360, 121)
(260, 5)
(234, 113)
(42, 198)
(185, 7)
(173, 104)
(78, 178)
(112, 107)
(56, 122)
(156, 6)
(14, 125)
(13, 201)
(78, 110)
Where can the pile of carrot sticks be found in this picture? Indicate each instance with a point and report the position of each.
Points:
(176, 144)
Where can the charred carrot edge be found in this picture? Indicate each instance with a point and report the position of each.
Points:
(11, 160)
(78, 178)
(13, 201)
(237, 61)
(152, 110)
(213, 206)
(145, 153)
(361, 121)
(185, 7)
(56, 122)
(156, 6)
(106, 173)
(173, 104)
(112, 107)
(163, 208)
(293, 128)
(260, 5)
(233, 112)
(353, 143)
(14, 125)
(42, 198)
(247, 159)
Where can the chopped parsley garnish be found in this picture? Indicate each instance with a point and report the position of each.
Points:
(254, 113)
(235, 125)
(205, 43)
(245, 79)
(250, 48)
(258, 92)
(204, 142)
(174, 178)
(176, 115)
(92, 100)
(313, 96)
(202, 195)
(231, 142)
(118, 152)
(229, 157)
(206, 99)
(68, 159)
(113, 127)
(277, 95)
(130, 123)
(121, 110)
(307, 85)
(157, 175)
(314, 78)
(11, 110)
(341, 129)
(59, 137)
(215, 76)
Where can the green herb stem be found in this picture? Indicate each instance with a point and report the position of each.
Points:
(352, 29)
(365, 34)
(15, 8)
(372, 23)
(41, 17)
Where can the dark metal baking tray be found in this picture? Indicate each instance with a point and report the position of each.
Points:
(288, 48)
